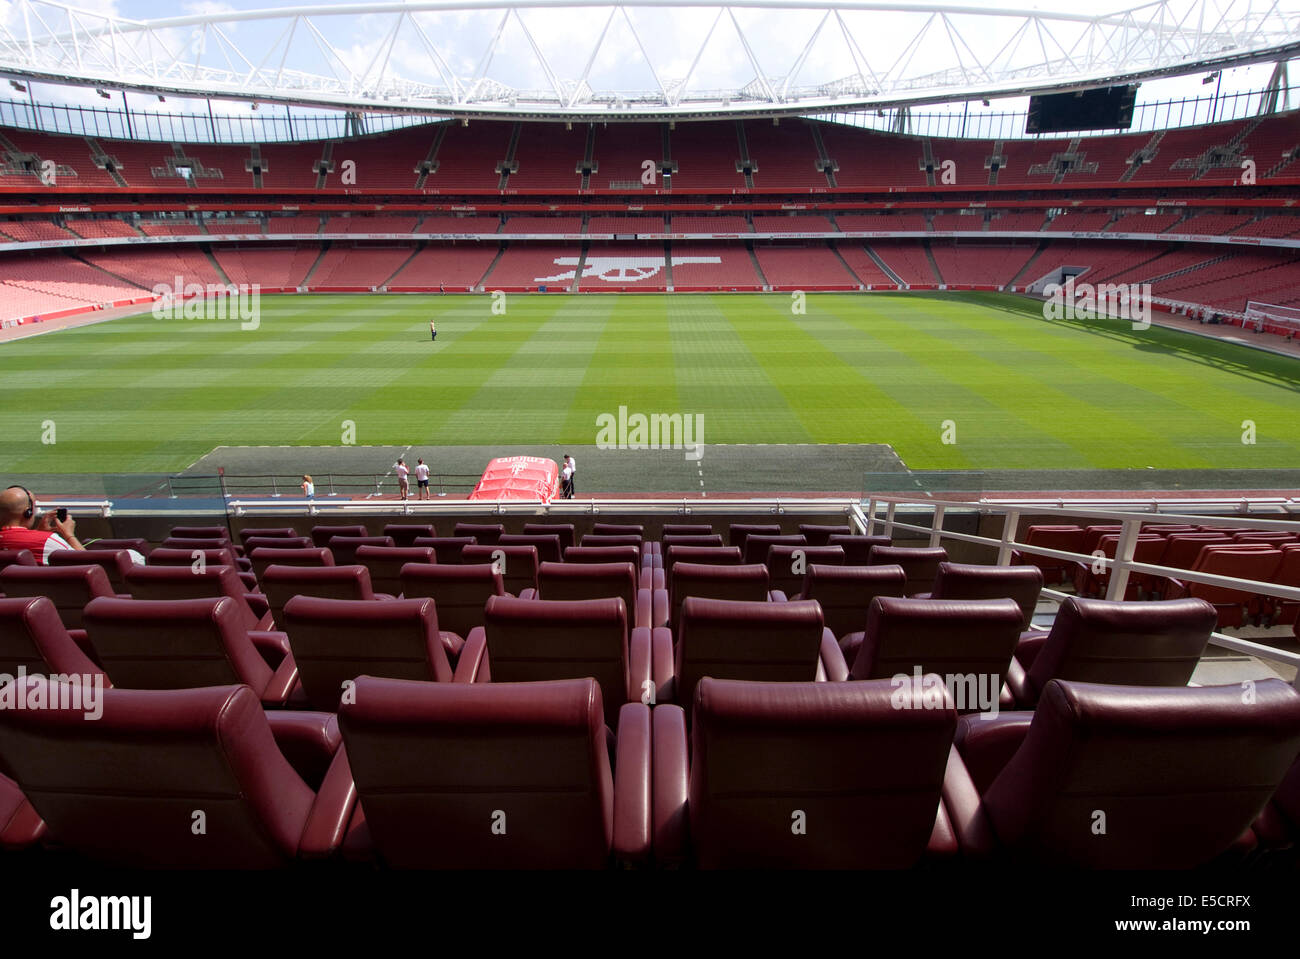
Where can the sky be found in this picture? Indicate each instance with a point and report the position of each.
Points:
(670, 38)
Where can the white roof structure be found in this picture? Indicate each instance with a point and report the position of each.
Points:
(648, 59)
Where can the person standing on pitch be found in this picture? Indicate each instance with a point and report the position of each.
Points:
(572, 466)
(403, 483)
(433, 332)
(566, 481)
(422, 479)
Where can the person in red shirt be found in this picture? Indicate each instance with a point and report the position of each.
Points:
(22, 528)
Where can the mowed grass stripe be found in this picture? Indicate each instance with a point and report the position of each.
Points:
(838, 401)
(1194, 415)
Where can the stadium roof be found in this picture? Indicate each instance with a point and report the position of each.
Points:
(585, 59)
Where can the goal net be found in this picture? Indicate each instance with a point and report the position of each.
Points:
(1268, 318)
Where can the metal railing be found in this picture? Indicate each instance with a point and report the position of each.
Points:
(1120, 567)
(568, 507)
(276, 485)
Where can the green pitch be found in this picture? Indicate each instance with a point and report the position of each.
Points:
(146, 395)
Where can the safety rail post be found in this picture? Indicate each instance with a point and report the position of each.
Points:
(936, 527)
(1010, 523)
(275, 489)
(331, 480)
(889, 519)
(171, 493)
(1123, 559)
(870, 525)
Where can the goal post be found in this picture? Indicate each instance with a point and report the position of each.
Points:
(1270, 318)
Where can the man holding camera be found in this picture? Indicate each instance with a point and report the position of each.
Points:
(22, 528)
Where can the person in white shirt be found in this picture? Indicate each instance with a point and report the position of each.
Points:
(403, 483)
(422, 479)
(566, 482)
(572, 466)
(308, 487)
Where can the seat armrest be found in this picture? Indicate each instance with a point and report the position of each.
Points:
(308, 739)
(659, 608)
(986, 745)
(272, 644)
(671, 784)
(640, 667)
(82, 640)
(1174, 589)
(327, 821)
(663, 665)
(644, 607)
(652, 578)
(632, 780)
(1017, 685)
(472, 666)
(837, 670)
(777, 596)
(282, 683)
(1029, 646)
(965, 809)
(528, 592)
(261, 609)
(249, 579)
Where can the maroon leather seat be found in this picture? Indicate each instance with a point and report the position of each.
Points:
(114, 561)
(1278, 826)
(201, 532)
(336, 640)
(178, 644)
(34, 639)
(819, 535)
(767, 784)
(273, 532)
(757, 545)
(496, 775)
(687, 529)
(264, 557)
(385, 564)
(485, 534)
(21, 826)
(650, 576)
(549, 549)
(137, 543)
(563, 530)
(857, 549)
(787, 566)
(461, 593)
(188, 543)
(344, 548)
(845, 593)
(529, 640)
(1122, 777)
(737, 532)
(1100, 641)
(610, 539)
(764, 642)
(201, 558)
(69, 588)
(970, 581)
(743, 583)
(16, 557)
(706, 555)
(518, 565)
(447, 549)
(1180, 552)
(1066, 538)
(283, 583)
(128, 789)
(967, 642)
(920, 563)
(183, 582)
(1093, 580)
(682, 539)
(405, 534)
(618, 529)
(648, 607)
(277, 543)
(321, 535)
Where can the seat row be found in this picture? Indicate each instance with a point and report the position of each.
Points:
(785, 775)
